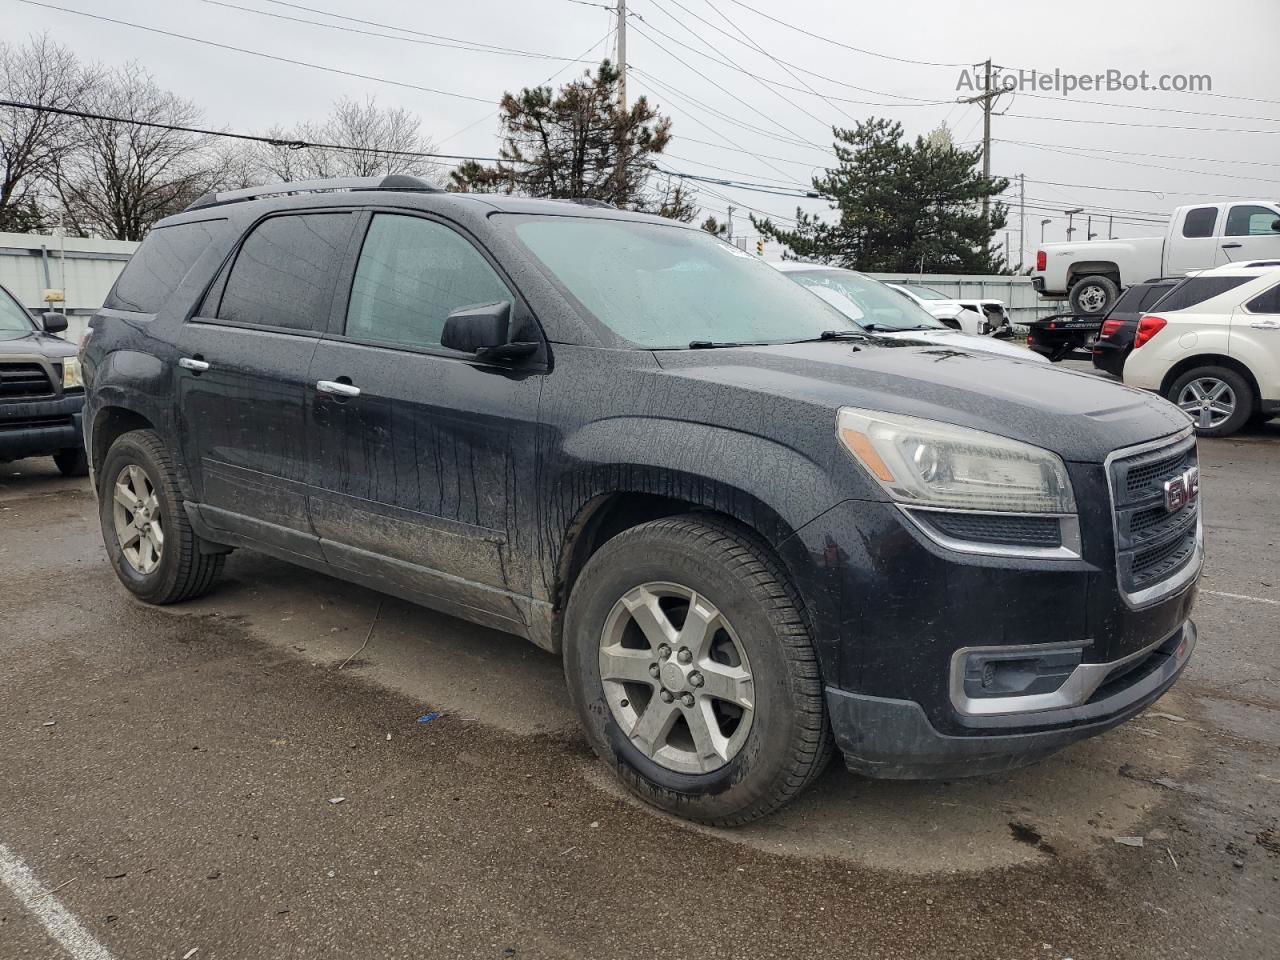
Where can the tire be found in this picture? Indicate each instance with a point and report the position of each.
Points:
(179, 570)
(787, 740)
(1226, 389)
(72, 462)
(1093, 296)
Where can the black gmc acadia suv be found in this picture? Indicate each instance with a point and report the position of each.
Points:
(41, 395)
(752, 530)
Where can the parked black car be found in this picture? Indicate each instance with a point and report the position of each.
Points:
(41, 394)
(1115, 339)
(751, 530)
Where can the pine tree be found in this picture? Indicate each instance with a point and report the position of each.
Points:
(901, 206)
(566, 145)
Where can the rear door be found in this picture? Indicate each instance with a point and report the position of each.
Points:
(424, 458)
(1248, 234)
(1193, 243)
(243, 376)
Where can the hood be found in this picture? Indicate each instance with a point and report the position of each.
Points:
(968, 341)
(1079, 416)
(38, 343)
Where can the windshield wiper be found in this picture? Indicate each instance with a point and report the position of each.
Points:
(717, 344)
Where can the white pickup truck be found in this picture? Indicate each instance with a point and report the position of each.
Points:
(1092, 273)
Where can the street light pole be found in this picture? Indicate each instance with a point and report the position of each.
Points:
(1042, 226)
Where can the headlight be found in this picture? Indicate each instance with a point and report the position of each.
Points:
(931, 464)
(71, 374)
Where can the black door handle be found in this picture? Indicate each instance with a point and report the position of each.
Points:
(1230, 246)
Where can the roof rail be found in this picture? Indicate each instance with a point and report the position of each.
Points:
(585, 202)
(391, 182)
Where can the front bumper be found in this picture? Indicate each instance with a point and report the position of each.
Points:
(894, 739)
(40, 427)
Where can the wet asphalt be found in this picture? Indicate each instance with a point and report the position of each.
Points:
(171, 773)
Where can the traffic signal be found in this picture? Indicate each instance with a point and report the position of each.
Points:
(759, 248)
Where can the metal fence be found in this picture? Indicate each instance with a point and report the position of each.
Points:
(83, 271)
(1021, 299)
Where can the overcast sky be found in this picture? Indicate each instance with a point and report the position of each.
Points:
(1238, 51)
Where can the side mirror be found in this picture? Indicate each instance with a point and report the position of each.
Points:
(54, 322)
(1275, 225)
(484, 330)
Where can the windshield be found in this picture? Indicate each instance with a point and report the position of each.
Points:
(867, 302)
(13, 319)
(926, 293)
(667, 287)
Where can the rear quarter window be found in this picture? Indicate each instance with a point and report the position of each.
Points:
(1196, 290)
(155, 271)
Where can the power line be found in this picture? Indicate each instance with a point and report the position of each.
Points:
(1138, 153)
(726, 91)
(448, 43)
(256, 138)
(760, 80)
(795, 66)
(862, 50)
(1122, 123)
(256, 53)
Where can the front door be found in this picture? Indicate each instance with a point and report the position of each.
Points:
(243, 377)
(423, 457)
(1249, 235)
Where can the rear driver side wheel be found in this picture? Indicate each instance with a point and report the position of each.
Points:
(691, 667)
(149, 541)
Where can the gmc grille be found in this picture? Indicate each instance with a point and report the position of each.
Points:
(1153, 544)
(24, 380)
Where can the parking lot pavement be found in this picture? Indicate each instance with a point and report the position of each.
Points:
(170, 777)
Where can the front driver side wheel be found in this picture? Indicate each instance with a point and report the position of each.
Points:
(689, 660)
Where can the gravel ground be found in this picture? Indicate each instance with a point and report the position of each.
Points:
(171, 772)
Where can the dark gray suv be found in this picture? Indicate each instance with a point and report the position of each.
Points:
(753, 531)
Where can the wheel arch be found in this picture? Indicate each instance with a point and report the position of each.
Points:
(1087, 268)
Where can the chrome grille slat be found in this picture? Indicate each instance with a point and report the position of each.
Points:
(1153, 545)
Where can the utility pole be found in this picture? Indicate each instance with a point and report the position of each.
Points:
(729, 228)
(1110, 221)
(1008, 247)
(987, 98)
(622, 100)
(1071, 214)
(1022, 217)
(1043, 224)
(1088, 228)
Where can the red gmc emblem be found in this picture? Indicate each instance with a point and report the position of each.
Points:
(1181, 490)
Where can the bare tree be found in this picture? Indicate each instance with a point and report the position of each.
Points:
(45, 73)
(122, 177)
(375, 141)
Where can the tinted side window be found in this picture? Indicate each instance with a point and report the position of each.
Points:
(1199, 222)
(1249, 220)
(1196, 290)
(1266, 302)
(1153, 294)
(412, 274)
(160, 264)
(283, 275)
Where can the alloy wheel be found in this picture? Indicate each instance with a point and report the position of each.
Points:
(136, 512)
(676, 678)
(1210, 402)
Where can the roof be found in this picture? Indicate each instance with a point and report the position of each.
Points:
(1246, 268)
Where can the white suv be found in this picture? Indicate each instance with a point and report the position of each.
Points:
(1212, 346)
